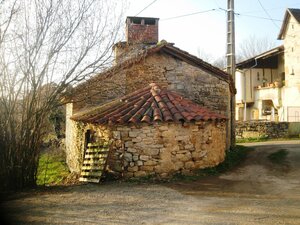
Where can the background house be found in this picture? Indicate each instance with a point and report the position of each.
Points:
(142, 60)
(268, 85)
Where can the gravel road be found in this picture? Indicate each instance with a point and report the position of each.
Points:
(258, 192)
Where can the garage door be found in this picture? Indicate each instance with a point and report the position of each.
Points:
(293, 114)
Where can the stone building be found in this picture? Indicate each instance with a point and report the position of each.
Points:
(182, 126)
(268, 84)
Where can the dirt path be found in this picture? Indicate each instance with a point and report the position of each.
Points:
(258, 192)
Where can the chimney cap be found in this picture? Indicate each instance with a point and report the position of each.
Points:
(142, 20)
(138, 17)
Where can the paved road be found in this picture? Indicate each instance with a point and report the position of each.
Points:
(258, 192)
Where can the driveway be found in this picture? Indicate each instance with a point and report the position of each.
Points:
(258, 192)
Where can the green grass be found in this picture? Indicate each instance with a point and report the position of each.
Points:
(264, 138)
(52, 169)
(278, 157)
(247, 140)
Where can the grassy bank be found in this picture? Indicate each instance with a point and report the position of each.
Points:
(52, 169)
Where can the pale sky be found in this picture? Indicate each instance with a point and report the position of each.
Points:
(207, 31)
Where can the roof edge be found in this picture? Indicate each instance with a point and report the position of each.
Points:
(287, 16)
(265, 54)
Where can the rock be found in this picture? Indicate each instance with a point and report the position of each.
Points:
(135, 158)
(128, 174)
(165, 167)
(198, 155)
(179, 165)
(133, 169)
(137, 139)
(140, 174)
(163, 128)
(151, 151)
(133, 133)
(147, 168)
(144, 157)
(139, 163)
(132, 150)
(181, 138)
(128, 156)
(189, 165)
(128, 144)
(116, 135)
(150, 163)
(189, 146)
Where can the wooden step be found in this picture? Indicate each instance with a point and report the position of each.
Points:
(94, 163)
(91, 174)
(97, 145)
(93, 151)
(92, 167)
(91, 180)
(98, 156)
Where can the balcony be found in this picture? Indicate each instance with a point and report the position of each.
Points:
(270, 92)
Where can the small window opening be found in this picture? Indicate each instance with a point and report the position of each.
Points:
(149, 21)
(136, 20)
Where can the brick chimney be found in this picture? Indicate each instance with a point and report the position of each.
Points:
(141, 30)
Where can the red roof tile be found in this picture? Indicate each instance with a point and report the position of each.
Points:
(148, 105)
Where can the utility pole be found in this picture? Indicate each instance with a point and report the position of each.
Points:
(231, 64)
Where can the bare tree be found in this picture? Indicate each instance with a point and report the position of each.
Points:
(220, 62)
(253, 46)
(202, 54)
(45, 46)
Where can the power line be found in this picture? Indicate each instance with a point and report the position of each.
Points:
(217, 4)
(190, 14)
(258, 17)
(267, 14)
(271, 9)
(145, 7)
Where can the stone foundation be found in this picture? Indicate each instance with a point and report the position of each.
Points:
(161, 149)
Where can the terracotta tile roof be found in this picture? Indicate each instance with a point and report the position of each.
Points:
(141, 54)
(150, 104)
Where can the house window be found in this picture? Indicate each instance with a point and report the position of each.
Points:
(258, 76)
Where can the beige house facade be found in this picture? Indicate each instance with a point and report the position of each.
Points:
(268, 85)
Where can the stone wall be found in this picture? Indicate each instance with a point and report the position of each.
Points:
(162, 149)
(190, 81)
(256, 129)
